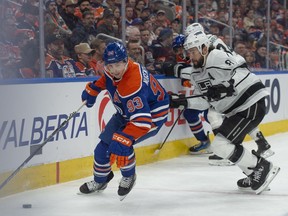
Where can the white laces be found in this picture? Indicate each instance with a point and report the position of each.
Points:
(126, 182)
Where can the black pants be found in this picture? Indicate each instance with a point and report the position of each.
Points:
(237, 126)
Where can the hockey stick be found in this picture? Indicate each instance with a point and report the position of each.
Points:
(41, 146)
(192, 96)
(162, 144)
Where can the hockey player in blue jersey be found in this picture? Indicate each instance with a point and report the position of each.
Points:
(142, 107)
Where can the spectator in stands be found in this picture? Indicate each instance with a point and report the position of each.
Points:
(274, 59)
(258, 8)
(9, 49)
(106, 27)
(149, 26)
(214, 29)
(259, 24)
(117, 15)
(138, 22)
(161, 19)
(260, 56)
(54, 20)
(162, 49)
(83, 6)
(68, 14)
(129, 14)
(145, 13)
(29, 66)
(134, 51)
(110, 4)
(85, 30)
(148, 55)
(240, 48)
(56, 64)
(133, 33)
(84, 56)
(29, 18)
(97, 59)
(140, 4)
(248, 20)
(60, 5)
(210, 8)
(157, 31)
(175, 26)
(132, 3)
(250, 59)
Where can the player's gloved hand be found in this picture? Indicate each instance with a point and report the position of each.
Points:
(182, 70)
(89, 94)
(177, 101)
(218, 92)
(120, 149)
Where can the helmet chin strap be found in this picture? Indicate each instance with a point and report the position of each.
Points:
(205, 58)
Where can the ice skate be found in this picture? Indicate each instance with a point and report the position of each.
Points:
(201, 148)
(215, 160)
(244, 184)
(92, 186)
(263, 174)
(264, 149)
(125, 186)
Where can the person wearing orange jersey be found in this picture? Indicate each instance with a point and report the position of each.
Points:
(141, 110)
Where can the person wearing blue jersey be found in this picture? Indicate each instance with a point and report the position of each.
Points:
(142, 106)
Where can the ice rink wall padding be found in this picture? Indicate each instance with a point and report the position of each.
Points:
(32, 109)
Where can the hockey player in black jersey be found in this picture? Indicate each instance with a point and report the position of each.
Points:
(238, 94)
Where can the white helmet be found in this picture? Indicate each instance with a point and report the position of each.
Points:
(196, 40)
(193, 28)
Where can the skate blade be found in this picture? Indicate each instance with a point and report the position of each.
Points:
(249, 189)
(272, 174)
(121, 198)
(201, 152)
(220, 163)
(267, 153)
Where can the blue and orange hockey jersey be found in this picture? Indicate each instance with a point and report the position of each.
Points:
(138, 97)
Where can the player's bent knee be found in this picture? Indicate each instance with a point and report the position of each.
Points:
(215, 119)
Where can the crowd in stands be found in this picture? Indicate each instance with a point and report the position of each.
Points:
(77, 31)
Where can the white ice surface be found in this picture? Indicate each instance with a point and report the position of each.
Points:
(180, 186)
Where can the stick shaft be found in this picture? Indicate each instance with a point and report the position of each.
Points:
(175, 122)
(40, 146)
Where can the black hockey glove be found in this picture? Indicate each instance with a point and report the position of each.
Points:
(218, 92)
(182, 70)
(177, 101)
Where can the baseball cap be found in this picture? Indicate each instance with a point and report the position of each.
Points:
(137, 21)
(53, 38)
(108, 13)
(48, 2)
(160, 11)
(83, 48)
(165, 33)
(70, 2)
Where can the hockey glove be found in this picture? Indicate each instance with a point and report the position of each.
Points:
(89, 94)
(177, 101)
(182, 70)
(218, 92)
(120, 149)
